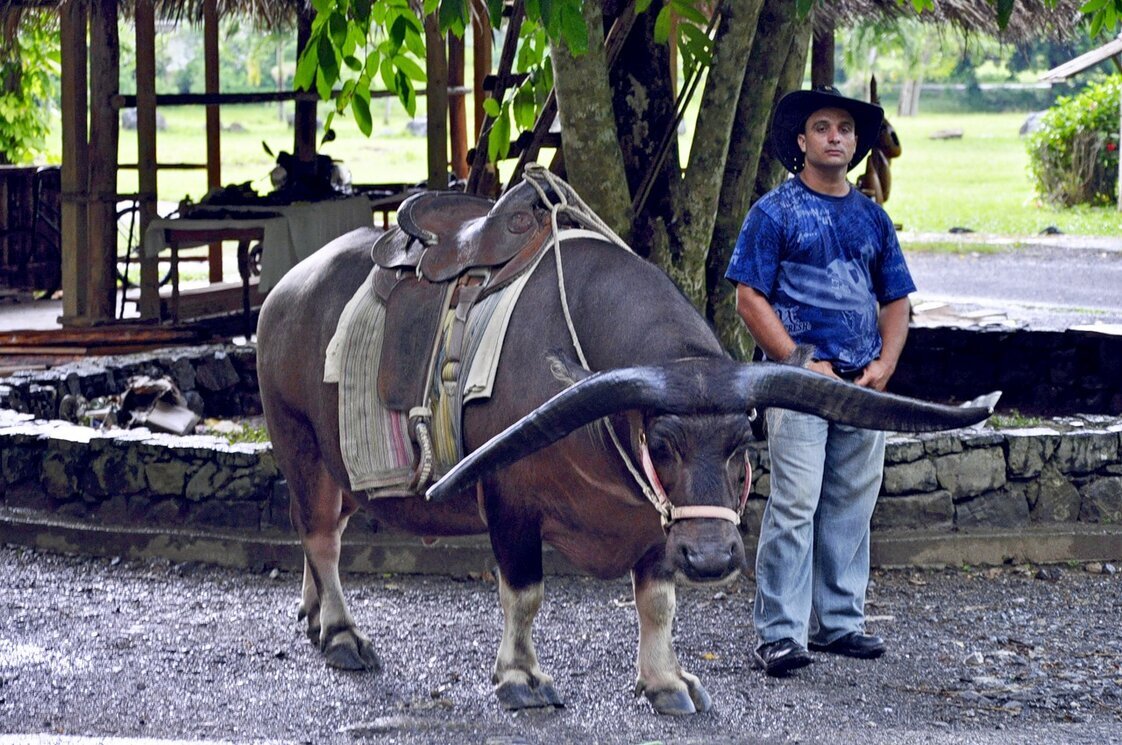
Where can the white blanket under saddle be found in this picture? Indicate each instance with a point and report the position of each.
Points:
(376, 445)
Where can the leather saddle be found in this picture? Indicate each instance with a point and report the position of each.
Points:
(448, 251)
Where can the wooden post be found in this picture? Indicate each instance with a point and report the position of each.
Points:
(304, 120)
(75, 164)
(105, 51)
(436, 70)
(146, 151)
(822, 58)
(482, 53)
(213, 122)
(457, 107)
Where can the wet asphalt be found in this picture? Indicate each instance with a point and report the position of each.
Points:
(152, 651)
(1044, 287)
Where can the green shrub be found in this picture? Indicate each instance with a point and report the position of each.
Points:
(29, 70)
(1074, 156)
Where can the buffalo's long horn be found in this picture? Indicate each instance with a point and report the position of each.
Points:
(700, 386)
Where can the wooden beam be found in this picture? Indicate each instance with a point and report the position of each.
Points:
(127, 101)
(147, 177)
(436, 87)
(457, 108)
(481, 52)
(213, 120)
(477, 184)
(75, 170)
(105, 60)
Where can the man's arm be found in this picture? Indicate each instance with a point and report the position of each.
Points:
(768, 331)
(893, 323)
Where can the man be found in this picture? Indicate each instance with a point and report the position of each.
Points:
(817, 265)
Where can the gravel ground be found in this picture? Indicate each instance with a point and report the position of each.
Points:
(153, 649)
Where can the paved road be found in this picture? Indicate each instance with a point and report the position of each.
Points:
(155, 651)
(1051, 286)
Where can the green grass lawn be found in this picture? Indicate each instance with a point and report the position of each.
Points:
(979, 182)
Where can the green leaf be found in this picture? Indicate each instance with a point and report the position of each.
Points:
(1092, 6)
(495, 11)
(415, 44)
(328, 64)
(337, 24)
(454, 16)
(323, 85)
(360, 105)
(306, 67)
(523, 107)
(406, 94)
(491, 107)
(690, 13)
(389, 79)
(573, 28)
(398, 29)
(1004, 11)
(352, 62)
(662, 25)
(410, 68)
(642, 5)
(362, 12)
(498, 143)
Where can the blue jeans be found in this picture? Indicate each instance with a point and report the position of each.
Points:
(812, 563)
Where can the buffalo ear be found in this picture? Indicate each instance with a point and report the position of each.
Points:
(565, 369)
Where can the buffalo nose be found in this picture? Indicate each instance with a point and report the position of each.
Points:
(708, 562)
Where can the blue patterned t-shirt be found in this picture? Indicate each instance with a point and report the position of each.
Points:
(825, 264)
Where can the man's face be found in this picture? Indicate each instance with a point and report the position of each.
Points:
(829, 139)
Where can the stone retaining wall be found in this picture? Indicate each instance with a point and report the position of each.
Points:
(1066, 472)
(1069, 472)
(217, 380)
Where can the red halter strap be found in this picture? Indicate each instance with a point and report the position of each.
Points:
(670, 513)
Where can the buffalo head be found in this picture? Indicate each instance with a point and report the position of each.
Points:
(689, 425)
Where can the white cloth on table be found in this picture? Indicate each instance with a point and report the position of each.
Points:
(302, 229)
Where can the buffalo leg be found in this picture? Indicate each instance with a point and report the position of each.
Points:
(342, 644)
(669, 688)
(516, 541)
(319, 509)
(519, 682)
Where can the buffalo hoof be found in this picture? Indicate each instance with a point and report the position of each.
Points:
(677, 702)
(514, 696)
(349, 650)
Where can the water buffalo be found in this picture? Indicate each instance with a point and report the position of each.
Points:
(661, 379)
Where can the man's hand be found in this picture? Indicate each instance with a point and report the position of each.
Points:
(875, 375)
(824, 368)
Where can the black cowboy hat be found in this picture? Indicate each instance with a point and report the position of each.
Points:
(789, 121)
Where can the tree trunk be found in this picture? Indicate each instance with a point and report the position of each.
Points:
(770, 172)
(696, 209)
(593, 161)
(776, 31)
(643, 95)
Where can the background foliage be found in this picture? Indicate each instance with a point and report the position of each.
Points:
(1075, 153)
(29, 75)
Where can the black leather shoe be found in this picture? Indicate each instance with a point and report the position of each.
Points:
(781, 658)
(853, 644)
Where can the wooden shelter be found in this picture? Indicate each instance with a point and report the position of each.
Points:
(91, 102)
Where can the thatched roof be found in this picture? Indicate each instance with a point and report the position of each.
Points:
(263, 13)
(1031, 19)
